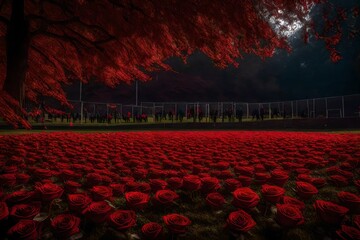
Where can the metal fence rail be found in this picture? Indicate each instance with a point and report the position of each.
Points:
(329, 107)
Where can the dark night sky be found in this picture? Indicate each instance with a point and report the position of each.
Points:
(304, 73)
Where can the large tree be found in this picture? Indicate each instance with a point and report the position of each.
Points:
(45, 44)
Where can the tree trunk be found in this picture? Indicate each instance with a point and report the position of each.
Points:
(17, 46)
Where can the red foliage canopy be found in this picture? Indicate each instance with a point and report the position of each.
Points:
(124, 40)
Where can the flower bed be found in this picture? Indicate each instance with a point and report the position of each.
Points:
(180, 185)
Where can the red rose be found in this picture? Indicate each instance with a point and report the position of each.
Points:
(137, 200)
(293, 201)
(349, 200)
(78, 202)
(93, 179)
(215, 200)
(8, 179)
(19, 197)
(245, 197)
(71, 186)
(65, 225)
(118, 189)
(100, 193)
(231, 184)
(244, 170)
(240, 221)
(209, 184)
(4, 211)
(49, 191)
(157, 184)
(68, 174)
(22, 178)
(23, 230)
(165, 197)
(175, 183)
(191, 183)
(140, 173)
(279, 177)
(272, 194)
(261, 177)
(339, 180)
(245, 180)
(25, 211)
(151, 230)
(137, 187)
(97, 211)
(305, 190)
(288, 215)
(318, 182)
(176, 223)
(122, 220)
(42, 173)
(329, 212)
(347, 232)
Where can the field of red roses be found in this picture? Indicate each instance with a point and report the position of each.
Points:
(180, 185)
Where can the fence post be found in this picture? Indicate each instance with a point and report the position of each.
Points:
(326, 108)
(308, 108)
(247, 110)
(343, 106)
(292, 109)
(269, 110)
(81, 111)
(314, 108)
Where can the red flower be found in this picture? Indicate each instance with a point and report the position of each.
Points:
(71, 186)
(118, 189)
(137, 200)
(305, 190)
(288, 215)
(78, 202)
(65, 225)
(23, 230)
(349, 200)
(318, 182)
(245, 180)
(19, 197)
(100, 193)
(165, 197)
(122, 220)
(25, 211)
(97, 211)
(49, 191)
(347, 232)
(245, 197)
(8, 179)
(231, 184)
(191, 183)
(279, 177)
(151, 230)
(176, 223)
(261, 177)
(157, 184)
(272, 194)
(293, 201)
(339, 180)
(175, 183)
(240, 221)
(329, 212)
(22, 178)
(215, 200)
(4, 211)
(209, 184)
